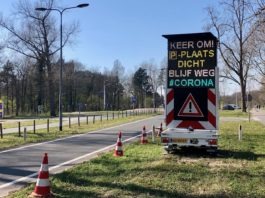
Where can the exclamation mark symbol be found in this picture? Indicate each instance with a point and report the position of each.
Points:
(190, 107)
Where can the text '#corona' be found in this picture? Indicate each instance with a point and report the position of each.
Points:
(191, 83)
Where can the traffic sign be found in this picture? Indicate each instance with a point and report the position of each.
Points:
(190, 104)
(190, 108)
(192, 84)
(191, 60)
(133, 99)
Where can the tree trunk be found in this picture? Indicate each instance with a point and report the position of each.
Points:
(40, 83)
(7, 95)
(23, 94)
(17, 97)
(51, 89)
(244, 96)
(12, 98)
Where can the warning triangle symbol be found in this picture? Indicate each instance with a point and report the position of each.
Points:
(190, 108)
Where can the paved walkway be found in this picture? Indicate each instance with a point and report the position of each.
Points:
(258, 115)
(232, 118)
(74, 120)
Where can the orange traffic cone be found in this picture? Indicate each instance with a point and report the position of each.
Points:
(144, 136)
(118, 150)
(42, 188)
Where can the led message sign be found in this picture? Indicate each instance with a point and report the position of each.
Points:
(191, 60)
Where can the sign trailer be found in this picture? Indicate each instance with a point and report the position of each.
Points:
(192, 88)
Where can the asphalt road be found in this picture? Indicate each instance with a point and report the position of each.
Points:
(20, 166)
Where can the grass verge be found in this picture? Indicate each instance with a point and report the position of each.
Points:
(237, 171)
(233, 113)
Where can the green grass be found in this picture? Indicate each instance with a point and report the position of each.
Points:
(237, 171)
(233, 113)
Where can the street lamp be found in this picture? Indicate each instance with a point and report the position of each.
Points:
(104, 95)
(61, 53)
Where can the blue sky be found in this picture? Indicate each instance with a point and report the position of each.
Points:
(127, 30)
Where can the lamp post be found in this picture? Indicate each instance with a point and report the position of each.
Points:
(105, 83)
(104, 95)
(163, 80)
(61, 11)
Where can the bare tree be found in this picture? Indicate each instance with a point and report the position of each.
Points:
(118, 79)
(162, 78)
(117, 69)
(7, 77)
(34, 34)
(259, 41)
(235, 28)
(153, 77)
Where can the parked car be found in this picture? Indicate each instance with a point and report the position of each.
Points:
(236, 106)
(230, 107)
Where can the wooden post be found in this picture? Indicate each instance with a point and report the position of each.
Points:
(93, 119)
(69, 121)
(87, 119)
(78, 120)
(107, 115)
(240, 132)
(25, 133)
(34, 126)
(101, 117)
(153, 133)
(48, 125)
(1, 130)
(112, 115)
(19, 131)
